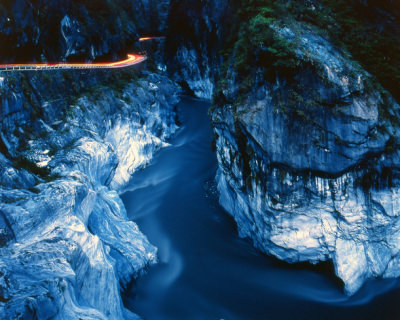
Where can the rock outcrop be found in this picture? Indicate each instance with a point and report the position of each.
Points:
(196, 32)
(76, 30)
(308, 164)
(67, 248)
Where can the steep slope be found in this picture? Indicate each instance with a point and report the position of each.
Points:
(307, 139)
(76, 30)
(196, 31)
(69, 143)
(67, 248)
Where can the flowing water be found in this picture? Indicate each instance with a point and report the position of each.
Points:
(206, 271)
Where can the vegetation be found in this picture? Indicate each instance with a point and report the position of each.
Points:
(116, 80)
(44, 173)
(253, 42)
(22, 162)
(352, 25)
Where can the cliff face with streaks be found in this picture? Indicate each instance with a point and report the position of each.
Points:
(307, 143)
(196, 31)
(306, 124)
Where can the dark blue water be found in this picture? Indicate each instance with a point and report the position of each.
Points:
(206, 271)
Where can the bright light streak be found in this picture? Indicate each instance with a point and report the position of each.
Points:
(150, 38)
(131, 60)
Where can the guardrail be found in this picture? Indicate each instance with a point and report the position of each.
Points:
(133, 59)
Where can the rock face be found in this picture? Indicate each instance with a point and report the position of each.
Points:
(66, 245)
(309, 166)
(69, 143)
(308, 161)
(196, 33)
(76, 30)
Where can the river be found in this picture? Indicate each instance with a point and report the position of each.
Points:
(206, 271)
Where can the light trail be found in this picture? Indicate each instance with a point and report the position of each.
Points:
(130, 61)
(150, 38)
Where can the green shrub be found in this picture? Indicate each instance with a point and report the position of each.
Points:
(347, 24)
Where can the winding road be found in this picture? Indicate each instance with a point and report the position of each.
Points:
(132, 59)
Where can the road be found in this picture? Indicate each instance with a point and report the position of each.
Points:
(131, 60)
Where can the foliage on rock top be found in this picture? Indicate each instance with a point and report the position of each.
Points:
(350, 25)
